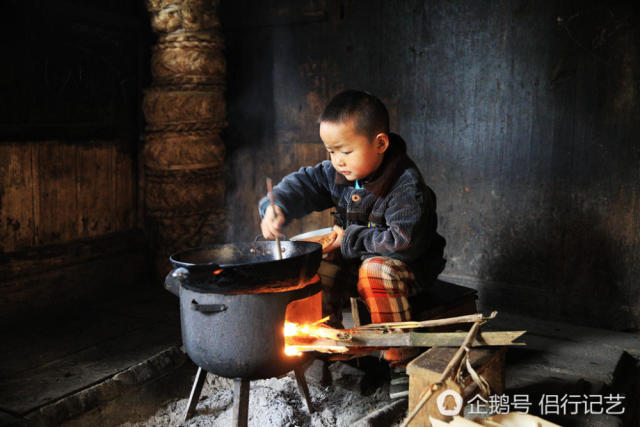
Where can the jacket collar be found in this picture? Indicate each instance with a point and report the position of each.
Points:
(394, 163)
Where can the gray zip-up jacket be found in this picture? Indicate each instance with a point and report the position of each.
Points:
(393, 214)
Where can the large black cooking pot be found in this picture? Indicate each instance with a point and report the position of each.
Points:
(244, 267)
(239, 335)
(233, 299)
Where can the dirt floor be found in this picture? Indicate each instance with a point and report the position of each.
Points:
(272, 402)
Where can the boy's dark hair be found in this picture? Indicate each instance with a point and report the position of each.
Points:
(368, 112)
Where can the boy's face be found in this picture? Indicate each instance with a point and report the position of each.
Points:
(352, 154)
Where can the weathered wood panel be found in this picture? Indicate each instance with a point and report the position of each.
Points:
(92, 364)
(100, 203)
(54, 169)
(17, 188)
(67, 212)
(69, 127)
(55, 192)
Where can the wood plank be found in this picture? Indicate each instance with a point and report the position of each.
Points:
(414, 339)
(30, 346)
(129, 396)
(436, 359)
(26, 391)
(56, 171)
(430, 339)
(17, 229)
(64, 191)
(36, 194)
(94, 190)
(125, 190)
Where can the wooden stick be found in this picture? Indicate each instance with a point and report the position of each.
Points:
(273, 204)
(471, 335)
(305, 332)
(469, 318)
(407, 339)
(355, 313)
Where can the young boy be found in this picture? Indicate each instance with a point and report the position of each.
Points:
(386, 215)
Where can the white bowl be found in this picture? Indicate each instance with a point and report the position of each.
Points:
(312, 233)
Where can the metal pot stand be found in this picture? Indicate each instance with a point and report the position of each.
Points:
(270, 307)
(241, 388)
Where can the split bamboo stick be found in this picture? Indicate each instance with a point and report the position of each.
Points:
(469, 318)
(408, 339)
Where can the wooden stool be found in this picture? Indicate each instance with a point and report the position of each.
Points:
(427, 368)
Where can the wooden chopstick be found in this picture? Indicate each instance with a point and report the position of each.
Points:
(273, 204)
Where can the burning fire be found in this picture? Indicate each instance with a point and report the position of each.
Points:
(301, 337)
(292, 350)
(290, 330)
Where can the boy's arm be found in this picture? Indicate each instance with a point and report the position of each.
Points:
(302, 192)
(407, 235)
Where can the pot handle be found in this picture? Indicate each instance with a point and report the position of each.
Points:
(180, 272)
(172, 281)
(208, 308)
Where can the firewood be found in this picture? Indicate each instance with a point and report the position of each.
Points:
(406, 339)
(470, 318)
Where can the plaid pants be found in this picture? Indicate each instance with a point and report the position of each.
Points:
(383, 284)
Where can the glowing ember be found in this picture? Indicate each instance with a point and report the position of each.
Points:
(292, 351)
(302, 336)
(290, 329)
(299, 349)
(293, 330)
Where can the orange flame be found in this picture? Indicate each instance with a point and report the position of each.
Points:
(302, 336)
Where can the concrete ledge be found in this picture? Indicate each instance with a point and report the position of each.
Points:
(131, 394)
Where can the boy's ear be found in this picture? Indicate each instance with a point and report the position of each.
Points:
(382, 142)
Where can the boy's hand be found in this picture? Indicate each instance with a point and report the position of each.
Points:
(337, 242)
(272, 221)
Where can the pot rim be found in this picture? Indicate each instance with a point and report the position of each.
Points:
(311, 248)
